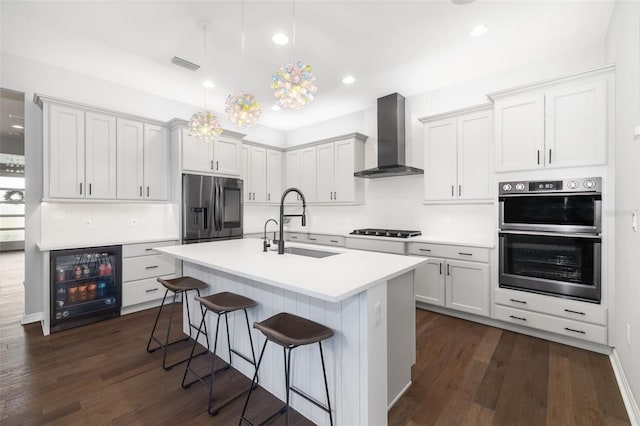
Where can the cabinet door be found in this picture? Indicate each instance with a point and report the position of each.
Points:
(344, 187)
(156, 162)
(440, 160)
(226, 156)
(197, 154)
(100, 156)
(519, 133)
(130, 143)
(258, 174)
(245, 172)
(576, 125)
(66, 152)
(309, 174)
(274, 176)
(474, 156)
(467, 286)
(325, 172)
(429, 281)
(293, 174)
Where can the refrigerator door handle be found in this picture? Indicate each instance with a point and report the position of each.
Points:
(217, 206)
(220, 207)
(205, 215)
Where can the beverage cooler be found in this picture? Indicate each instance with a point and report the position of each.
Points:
(86, 286)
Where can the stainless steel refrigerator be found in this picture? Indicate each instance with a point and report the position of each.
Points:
(211, 208)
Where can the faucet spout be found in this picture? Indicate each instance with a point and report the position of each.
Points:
(266, 244)
(303, 216)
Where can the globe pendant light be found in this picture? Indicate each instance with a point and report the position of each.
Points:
(242, 108)
(293, 83)
(203, 125)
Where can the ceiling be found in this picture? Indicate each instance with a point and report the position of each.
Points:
(405, 46)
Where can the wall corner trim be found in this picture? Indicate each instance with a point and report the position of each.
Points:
(630, 403)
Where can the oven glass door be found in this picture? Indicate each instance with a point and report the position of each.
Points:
(556, 213)
(567, 266)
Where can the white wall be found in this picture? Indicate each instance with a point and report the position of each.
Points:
(624, 49)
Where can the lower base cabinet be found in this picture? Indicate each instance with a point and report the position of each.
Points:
(141, 268)
(456, 284)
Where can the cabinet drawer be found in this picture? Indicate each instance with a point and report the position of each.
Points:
(134, 292)
(294, 236)
(475, 254)
(327, 240)
(138, 268)
(578, 311)
(395, 247)
(144, 249)
(565, 327)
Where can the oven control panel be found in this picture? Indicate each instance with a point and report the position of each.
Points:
(593, 184)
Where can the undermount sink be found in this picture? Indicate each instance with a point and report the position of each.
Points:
(308, 252)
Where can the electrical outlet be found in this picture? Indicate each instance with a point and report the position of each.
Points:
(634, 221)
(377, 314)
(628, 335)
(134, 222)
(87, 223)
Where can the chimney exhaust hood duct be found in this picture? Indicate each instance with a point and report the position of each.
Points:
(391, 141)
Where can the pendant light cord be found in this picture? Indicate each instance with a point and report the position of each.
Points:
(242, 28)
(204, 61)
(294, 31)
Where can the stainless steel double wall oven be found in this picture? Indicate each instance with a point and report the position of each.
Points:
(550, 237)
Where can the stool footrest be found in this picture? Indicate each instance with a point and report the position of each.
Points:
(243, 356)
(279, 412)
(310, 399)
(162, 345)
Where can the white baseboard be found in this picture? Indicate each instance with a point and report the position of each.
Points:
(31, 318)
(629, 402)
(397, 398)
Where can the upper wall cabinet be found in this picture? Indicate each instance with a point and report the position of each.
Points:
(458, 155)
(143, 161)
(553, 124)
(261, 171)
(219, 157)
(300, 165)
(80, 153)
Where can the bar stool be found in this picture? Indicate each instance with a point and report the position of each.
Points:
(291, 331)
(177, 286)
(220, 304)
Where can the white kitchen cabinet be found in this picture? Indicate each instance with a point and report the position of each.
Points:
(254, 173)
(300, 172)
(467, 286)
(100, 156)
(81, 153)
(447, 280)
(273, 176)
(336, 162)
(553, 124)
(143, 161)
(458, 155)
(156, 162)
(430, 282)
(222, 156)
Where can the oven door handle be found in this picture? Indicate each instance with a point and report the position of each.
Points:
(552, 234)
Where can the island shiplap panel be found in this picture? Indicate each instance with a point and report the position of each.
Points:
(346, 355)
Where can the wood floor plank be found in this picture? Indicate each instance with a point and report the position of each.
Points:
(491, 385)
(559, 391)
(585, 400)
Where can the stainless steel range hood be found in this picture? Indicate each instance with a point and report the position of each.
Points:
(391, 141)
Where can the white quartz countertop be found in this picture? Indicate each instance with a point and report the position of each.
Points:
(332, 278)
(47, 246)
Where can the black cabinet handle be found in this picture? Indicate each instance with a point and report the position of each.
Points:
(151, 267)
(574, 312)
(518, 301)
(150, 290)
(334, 241)
(148, 249)
(80, 188)
(147, 191)
(89, 189)
(575, 331)
(518, 318)
(448, 269)
(538, 156)
(465, 254)
(211, 164)
(216, 165)
(440, 268)
(293, 237)
(141, 191)
(452, 190)
(549, 155)
(427, 250)
(459, 190)
(312, 239)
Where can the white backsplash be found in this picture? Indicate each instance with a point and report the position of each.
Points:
(390, 203)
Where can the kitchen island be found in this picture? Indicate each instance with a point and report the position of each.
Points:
(367, 298)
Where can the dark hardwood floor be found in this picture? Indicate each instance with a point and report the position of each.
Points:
(466, 373)
(472, 374)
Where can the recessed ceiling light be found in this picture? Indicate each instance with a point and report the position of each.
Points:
(348, 79)
(478, 30)
(275, 107)
(208, 84)
(280, 39)
(17, 126)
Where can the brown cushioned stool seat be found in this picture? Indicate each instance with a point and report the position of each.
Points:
(291, 331)
(220, 304)
(178, 286)
(225, 302)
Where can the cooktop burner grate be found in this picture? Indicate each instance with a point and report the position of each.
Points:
(394, 233)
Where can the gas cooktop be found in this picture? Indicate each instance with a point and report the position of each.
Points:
(395, 233)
